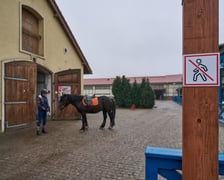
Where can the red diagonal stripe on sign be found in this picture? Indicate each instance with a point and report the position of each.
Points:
(201, 70)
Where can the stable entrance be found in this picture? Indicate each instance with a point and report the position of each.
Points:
(67, 82)
(159, 93)
(44, 81)
(23, 81)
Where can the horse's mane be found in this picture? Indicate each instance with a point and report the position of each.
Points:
(75, 97)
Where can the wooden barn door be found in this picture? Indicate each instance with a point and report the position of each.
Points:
(69, 82)
(20, 93)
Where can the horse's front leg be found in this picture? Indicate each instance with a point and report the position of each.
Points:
(83, 122)
(86, 123)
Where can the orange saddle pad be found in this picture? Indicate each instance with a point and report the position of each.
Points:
(94, 102)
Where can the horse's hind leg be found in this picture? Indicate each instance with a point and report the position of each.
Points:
(86, 124)
(111, 120)
(104, 120)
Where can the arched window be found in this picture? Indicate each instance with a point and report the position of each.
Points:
(32, 31)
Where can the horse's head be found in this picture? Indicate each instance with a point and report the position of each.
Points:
(64, 101)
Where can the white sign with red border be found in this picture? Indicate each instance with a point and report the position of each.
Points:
(201, 69)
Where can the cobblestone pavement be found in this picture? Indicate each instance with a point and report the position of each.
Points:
(67, 153)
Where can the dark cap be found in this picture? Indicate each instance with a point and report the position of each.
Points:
(44, 91)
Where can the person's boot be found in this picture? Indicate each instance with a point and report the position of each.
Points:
(38, 131)
(44, 130)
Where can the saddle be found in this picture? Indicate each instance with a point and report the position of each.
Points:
(90, 100)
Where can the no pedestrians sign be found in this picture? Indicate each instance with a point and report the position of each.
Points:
(201, 69)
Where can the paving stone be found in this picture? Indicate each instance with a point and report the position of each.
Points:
(67, 153)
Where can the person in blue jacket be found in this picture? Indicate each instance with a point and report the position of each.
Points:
(43, 108)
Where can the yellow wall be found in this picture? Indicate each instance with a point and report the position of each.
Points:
(55, 38)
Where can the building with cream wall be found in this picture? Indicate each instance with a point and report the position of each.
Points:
(52, 51)
(165, 87)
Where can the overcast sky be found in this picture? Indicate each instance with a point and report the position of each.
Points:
(129, 37)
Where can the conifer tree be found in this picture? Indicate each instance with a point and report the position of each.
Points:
(125, 92)
(116, 86)
(147, 95)
(135, 94)
(142, 93)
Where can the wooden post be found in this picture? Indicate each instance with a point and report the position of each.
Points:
(200, 104)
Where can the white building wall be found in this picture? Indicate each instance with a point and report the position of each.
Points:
(106, 90)
(171, 89)
(98, 90)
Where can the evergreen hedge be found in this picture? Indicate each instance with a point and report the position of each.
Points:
(126, 94)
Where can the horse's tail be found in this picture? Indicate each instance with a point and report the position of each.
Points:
(113, 110)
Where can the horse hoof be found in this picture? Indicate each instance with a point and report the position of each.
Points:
(82, 129)
(110, 127)
(101, 128)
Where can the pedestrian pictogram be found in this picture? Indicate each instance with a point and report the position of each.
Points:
(201, 70)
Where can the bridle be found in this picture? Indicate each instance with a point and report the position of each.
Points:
(62, 104)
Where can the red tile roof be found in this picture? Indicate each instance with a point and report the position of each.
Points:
(176, 78)
(87, 69)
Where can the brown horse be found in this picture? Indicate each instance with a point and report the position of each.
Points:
(105, 104)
